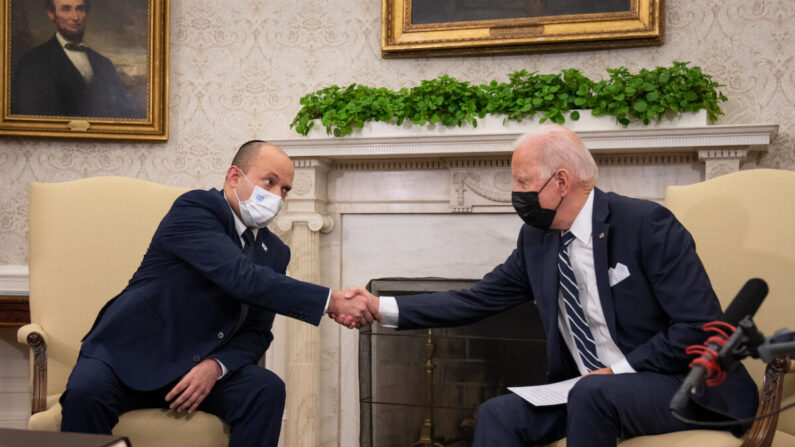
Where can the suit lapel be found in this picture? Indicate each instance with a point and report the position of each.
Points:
(600, 237)
(549, 286)
(261, 256)
(62, 60)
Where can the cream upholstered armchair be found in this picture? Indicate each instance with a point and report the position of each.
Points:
(744, 227)
(87, 237)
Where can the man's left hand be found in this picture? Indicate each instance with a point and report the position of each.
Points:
(607, 370)
(194, 386)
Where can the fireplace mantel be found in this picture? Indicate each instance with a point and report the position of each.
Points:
(751, 137)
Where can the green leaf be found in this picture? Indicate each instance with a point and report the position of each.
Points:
(640, 106)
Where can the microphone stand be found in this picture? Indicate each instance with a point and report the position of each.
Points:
(747, 341)
(742, 343)
(781, 344)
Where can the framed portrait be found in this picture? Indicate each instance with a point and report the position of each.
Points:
(84, 69)
(432, 28)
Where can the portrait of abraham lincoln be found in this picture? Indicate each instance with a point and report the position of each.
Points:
(79, 58)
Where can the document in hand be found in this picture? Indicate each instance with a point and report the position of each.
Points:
(542, 395)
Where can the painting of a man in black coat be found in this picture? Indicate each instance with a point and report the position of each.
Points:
(65, 77)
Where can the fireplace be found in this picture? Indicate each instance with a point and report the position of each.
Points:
(422, 387)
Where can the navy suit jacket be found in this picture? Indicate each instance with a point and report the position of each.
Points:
(652, 315)
(183, 304)
(46, 82)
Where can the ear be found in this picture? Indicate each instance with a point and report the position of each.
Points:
(563, 181)
(51, 15)
(232, 176)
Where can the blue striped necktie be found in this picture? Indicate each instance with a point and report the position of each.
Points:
(578, 324)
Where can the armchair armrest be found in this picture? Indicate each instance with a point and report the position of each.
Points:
(761, 433)
(36, 338)
(26, 330)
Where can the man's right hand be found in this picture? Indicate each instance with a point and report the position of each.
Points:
(354, 307)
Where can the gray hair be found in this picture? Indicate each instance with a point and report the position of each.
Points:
(559, 147)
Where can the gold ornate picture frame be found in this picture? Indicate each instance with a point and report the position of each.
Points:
(438, 28)
(112, 85)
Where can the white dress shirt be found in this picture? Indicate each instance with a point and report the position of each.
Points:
(581, 257)
(582, 263)
(79, 59)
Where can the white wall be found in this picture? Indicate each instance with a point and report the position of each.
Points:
(14, 381)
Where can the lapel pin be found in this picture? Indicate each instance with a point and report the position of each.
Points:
(264, 247)
(601, 235)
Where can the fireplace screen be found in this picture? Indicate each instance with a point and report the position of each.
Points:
(423, 387)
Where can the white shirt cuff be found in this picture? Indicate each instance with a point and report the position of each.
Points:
(328, 299)
(622, 367)
(223, 369)
(389, 311)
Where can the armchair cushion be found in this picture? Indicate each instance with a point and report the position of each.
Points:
(151, 427)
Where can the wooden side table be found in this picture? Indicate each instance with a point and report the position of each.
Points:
(14, 311)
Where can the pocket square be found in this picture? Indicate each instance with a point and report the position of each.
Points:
(617, 274)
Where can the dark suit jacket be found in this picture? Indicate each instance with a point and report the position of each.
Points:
(46, 82)
(183, 304)
(652, 315)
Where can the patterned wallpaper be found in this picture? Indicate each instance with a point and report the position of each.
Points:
(238, 68)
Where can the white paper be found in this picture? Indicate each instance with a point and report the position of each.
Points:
(541, 395)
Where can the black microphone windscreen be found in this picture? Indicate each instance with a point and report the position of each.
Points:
(747, 301)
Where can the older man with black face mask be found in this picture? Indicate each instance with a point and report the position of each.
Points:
(64, 77)
(621, 293)
(188, 330)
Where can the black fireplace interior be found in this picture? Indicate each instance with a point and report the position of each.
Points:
(471, 364)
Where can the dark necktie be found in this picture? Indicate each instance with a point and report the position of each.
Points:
(578, 324)
(248, 250)
(248, 240)
(76, 47)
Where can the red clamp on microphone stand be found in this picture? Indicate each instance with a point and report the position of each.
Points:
(708, 352)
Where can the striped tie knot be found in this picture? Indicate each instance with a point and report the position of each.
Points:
(567, 238)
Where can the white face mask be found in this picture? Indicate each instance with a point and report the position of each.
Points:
(260, 208)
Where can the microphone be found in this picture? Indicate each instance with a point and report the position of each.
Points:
(746, 303)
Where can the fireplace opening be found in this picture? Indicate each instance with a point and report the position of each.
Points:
(423, 387)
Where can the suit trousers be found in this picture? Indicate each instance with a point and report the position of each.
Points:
(250, 400)
(601, 408)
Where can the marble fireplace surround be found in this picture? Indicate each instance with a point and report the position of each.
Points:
(356, 198)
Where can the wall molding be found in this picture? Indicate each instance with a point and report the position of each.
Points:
(14, 280)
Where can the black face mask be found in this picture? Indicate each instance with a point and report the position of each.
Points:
(529, 209)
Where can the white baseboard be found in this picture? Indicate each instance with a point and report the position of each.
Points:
(14, 280)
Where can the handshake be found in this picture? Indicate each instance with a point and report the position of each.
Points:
(354, 307)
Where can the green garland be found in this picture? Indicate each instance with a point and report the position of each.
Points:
(645, 96)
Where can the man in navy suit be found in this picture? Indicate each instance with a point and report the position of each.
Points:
(64, 77)
(194, 320)
(621, 293)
